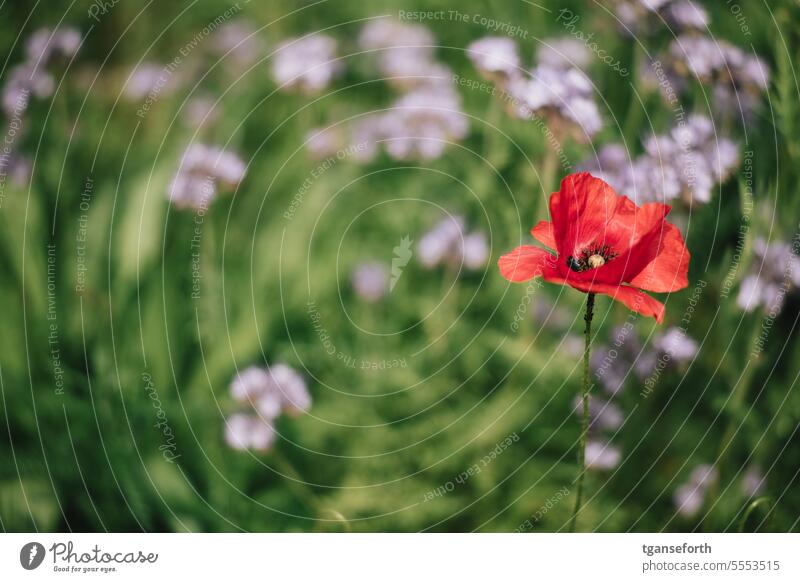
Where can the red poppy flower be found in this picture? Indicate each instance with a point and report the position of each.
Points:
(604, 243)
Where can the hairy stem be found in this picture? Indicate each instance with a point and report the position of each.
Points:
(585, 414)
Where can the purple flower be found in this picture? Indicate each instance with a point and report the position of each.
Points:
(448, 243)
(15, 167)
(200, 111)
(563, 53)
(246, 431)
(602, 456)
(604, 415)
(736, 77)
(562, 96)
(613, 363)
(44, 44)
(22, 82)
(149, 77)
(475, 250)
(238, 41)
(674, 342)
(688, 162)
(202, 169)
(371, 281)
(308, 64)
(690, 496)
(273, 390)
(292, 387)
(753, 482)
(688, 500)
(495, 57)
(774, 272)
(324, 142)
(404, 53)
(255, 386)
(386, 33)
(422, 123)
(648, 16)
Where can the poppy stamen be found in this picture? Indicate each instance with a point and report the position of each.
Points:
(592, 257)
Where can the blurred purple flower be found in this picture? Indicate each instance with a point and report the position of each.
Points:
(613, 363)
(738, 79)
(690, 496)
(371, 281)
(448, 243)
(45, 44)
(200, 111)
(495, 57)
(422, 123)
(774, 272)
(688, 162)
(15, 168)
(246, 431)
(269, 392)
(295, 396)
(386, 33)
(149, 77)
(22, 82)
(563, 96)
(238, 41)
(563, 53)
(753, 482)
(324, 142)
(201, 170)
(674, 342)
(308, 63)
(475, 250)
(545, 312)
(254, 385)
(603, 415)
(602, 456)
(404, 53)
(648, 16)
(31, 78)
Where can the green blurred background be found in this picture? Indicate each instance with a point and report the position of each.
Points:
(84, 455)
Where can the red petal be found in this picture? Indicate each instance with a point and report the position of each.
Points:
(525, 262)
(581, 211)
(543, 232)
(633, 298)
(668, 271)
(638, 241)
(638, 301)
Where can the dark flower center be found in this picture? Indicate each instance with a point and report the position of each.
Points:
(591, 257)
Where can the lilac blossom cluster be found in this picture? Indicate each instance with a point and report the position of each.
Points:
(422, 121)
(370, 281)
(404, 54)
(239, 44)
(556, 89)
(604, 415)
(450, 244)
(203, 169)
(774, 273)
(307, 64)
(690, 496)
(266, 393)
(685, 163)
(644, 16)
(736, 79)
(625, 357)
(43, 48)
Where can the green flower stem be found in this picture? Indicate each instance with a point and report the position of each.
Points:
(585, 415)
